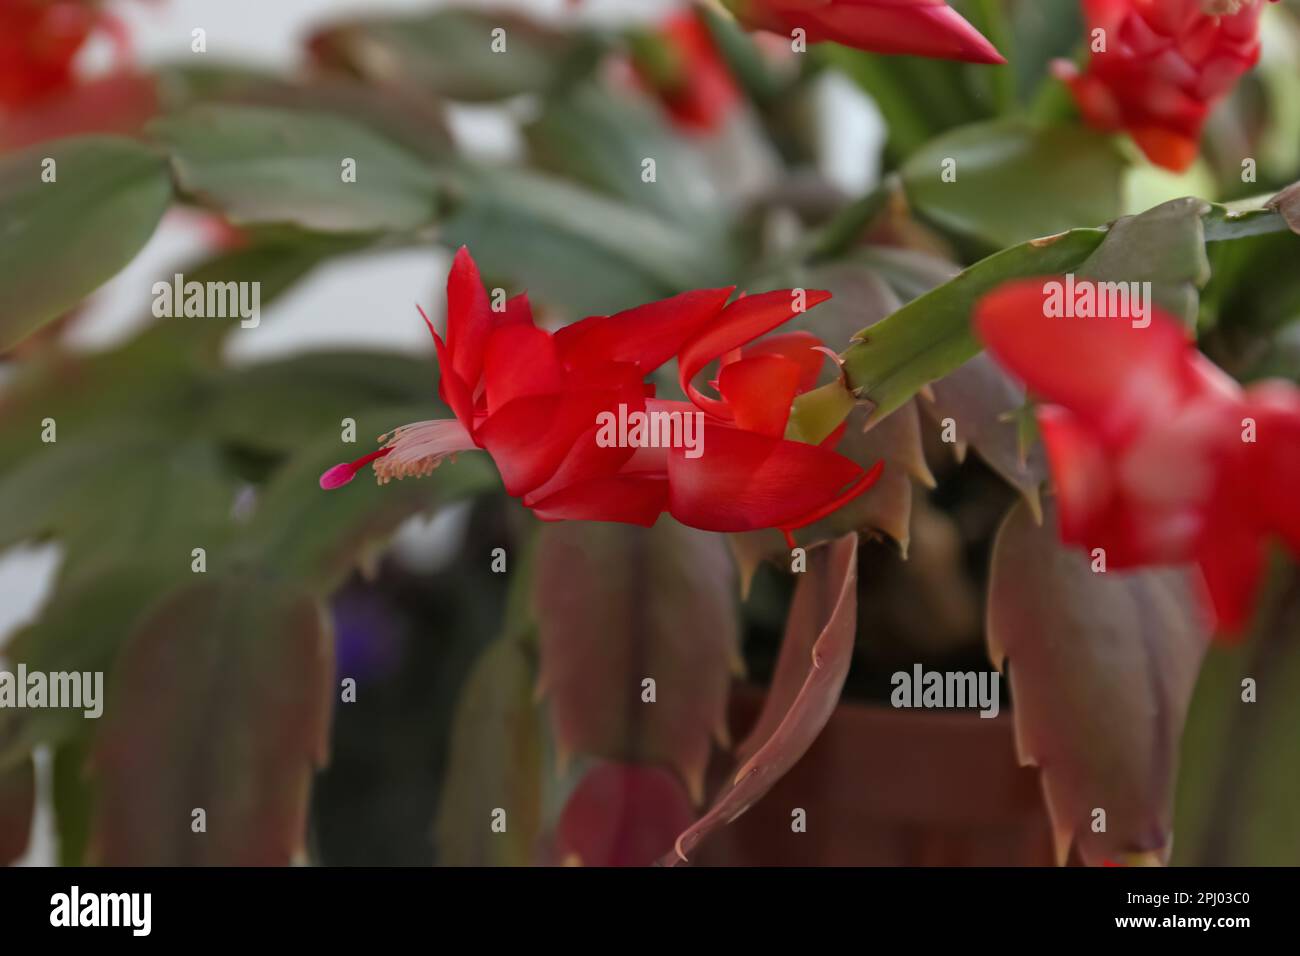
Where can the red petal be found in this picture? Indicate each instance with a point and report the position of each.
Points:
(741, 322)
(1272, 463)
(1081, 471)
(802, 347)
(631, 499)
(453, 391)
(518, 310)
(520, 360)
(1232, 561)
(469, 318)
(1106, 371)
(916, 27)
(648, 335)
(529, 438)
(746, 481)
(759, 391)
(622, 815)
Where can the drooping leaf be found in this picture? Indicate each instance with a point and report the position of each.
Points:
(810, 674)
(17, 804)
(1004, 181)
(221, 703)
(61, 240)
(1102, 668)
(260, 164)
(498, 751)
(617, 606)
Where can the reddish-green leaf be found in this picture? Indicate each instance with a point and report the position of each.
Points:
(498, 748)
(619, 605)
(622, 815)
(810, 673)
(1102, 671)
(222, 703)
(72, 214)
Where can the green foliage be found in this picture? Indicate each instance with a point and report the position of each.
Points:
(64, 238)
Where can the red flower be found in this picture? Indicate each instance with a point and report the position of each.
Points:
(1157, 456)
(1165, 64)
(544, 406)
(681, 65)
(919, 27)
(38, 41)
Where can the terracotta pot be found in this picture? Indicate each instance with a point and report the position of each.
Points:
(884, 787)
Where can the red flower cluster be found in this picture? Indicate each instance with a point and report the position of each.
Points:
(1164, 65)
(538, 403)
(918, 27)
(39, 39)
(1157, 456)
(680, 64)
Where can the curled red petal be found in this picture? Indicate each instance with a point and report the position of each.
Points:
(759, 392)
(740, 323)
(802, 347)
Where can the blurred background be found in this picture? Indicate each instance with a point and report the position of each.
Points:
(413, 622)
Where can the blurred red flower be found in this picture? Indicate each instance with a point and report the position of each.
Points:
(918, 27)
(39, 39)
(1164, 65)
(40, 95)
(681, 65)
(1157, 456)
(538, 403)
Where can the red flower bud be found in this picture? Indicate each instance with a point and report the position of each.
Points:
(1158, 67)
(917, 27)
